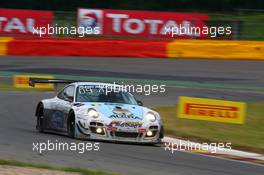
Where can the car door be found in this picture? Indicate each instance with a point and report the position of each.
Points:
(63, 105)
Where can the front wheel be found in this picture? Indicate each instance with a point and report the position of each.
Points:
(71, 126)
(161, 134)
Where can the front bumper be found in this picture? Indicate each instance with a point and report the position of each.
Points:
(110, 134)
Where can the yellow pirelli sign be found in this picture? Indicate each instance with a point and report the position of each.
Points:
(21, 81)
(211, 110)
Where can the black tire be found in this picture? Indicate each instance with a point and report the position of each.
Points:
(40, 119)
(161, 134)
(71, 126)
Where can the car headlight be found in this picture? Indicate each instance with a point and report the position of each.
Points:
(93, 113)
(151, 117)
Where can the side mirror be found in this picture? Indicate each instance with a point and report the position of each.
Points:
(69, 99)
(140, 103)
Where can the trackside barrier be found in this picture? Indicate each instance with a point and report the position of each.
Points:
(3, 45)
(202, 49)
(214, 49)
(88, 47)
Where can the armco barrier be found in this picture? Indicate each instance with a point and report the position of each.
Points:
(3, 45)
(88, 47)
(216, 49)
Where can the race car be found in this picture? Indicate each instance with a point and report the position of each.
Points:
(97, 111)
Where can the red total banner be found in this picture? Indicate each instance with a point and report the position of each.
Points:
(22, 22)
(140, 23)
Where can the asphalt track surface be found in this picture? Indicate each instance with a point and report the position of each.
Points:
(17, 126)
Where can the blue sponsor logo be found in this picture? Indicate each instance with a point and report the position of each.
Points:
(89, 20)
(131, 116)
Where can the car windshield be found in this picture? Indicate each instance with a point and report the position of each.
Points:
(96, 94)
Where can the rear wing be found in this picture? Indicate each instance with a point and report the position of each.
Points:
(33, 81)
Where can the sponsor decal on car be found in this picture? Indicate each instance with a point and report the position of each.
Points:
(126, 124)
(123, 116)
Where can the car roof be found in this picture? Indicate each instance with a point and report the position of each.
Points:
(98, 84)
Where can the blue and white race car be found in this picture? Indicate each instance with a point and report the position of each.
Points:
(97, 111)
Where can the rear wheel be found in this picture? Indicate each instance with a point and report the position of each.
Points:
(71, 126)
(40, 118)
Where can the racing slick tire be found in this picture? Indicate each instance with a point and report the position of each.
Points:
(71, 125)
(40, 118)
(161, 134)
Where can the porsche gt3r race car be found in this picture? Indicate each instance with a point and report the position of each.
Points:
(97, 111)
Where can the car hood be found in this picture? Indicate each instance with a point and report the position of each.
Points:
(119, 111)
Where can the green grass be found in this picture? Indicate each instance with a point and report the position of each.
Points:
(44, 166)
(252, 27)
(249, 136)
